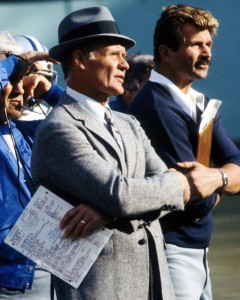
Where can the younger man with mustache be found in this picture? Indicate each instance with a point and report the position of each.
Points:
(169, 110)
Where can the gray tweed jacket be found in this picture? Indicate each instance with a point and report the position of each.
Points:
(75, 156)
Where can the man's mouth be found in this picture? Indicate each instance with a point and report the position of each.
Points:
(17, 104)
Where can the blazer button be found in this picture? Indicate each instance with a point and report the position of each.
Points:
(142, 241)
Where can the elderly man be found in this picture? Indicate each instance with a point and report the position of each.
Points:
(108, 164)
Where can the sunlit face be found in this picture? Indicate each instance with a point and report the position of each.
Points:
(192, 59)
(4, 102)
(14, 101)
(105, 71)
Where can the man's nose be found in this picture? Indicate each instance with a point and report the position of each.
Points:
(206, 50)
(124, 64)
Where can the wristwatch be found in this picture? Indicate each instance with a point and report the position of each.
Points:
(224, 178)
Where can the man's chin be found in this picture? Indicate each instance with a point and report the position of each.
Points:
(118, 92)
(14, 115)
(201, 75)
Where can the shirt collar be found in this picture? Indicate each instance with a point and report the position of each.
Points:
(94, 107)
(187, 102)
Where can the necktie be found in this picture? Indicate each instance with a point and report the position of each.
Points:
(112, 128)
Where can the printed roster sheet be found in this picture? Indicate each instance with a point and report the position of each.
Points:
(37, 235)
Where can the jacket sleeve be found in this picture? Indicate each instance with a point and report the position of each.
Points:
(224, 150)
(53, 95)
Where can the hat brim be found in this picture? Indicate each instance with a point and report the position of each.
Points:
(57, 52)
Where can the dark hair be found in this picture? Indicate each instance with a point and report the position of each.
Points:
(140, 66)
(168, 29)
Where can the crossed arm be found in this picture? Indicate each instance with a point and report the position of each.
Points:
(205, 181)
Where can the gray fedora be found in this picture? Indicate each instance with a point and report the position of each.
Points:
(84, 25)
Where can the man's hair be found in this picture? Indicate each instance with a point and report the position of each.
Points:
(168, 29)
(140, 66)
(8, 44)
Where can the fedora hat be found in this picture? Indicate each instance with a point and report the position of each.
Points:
(84, 25)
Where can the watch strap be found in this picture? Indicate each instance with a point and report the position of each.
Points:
(224, 178)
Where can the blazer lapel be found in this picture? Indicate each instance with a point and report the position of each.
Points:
(129, 144)
(80, 113)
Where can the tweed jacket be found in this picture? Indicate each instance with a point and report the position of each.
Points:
(75, 156)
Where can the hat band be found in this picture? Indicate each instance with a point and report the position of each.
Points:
(101, 27)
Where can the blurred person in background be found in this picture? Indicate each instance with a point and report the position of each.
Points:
(140, 66)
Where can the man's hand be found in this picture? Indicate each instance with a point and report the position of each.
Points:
(35, 85)
(30, 57)
(203, 181)
(81, 221)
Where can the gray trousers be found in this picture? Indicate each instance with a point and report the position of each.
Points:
(189, 272)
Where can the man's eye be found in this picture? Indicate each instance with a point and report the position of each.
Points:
(197, 44)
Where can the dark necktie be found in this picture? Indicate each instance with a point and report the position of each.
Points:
(112, 128)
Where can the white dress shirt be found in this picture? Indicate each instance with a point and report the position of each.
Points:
(187, 102)
(94, 107)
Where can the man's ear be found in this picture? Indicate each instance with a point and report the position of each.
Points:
(165, 52)
(79, 58)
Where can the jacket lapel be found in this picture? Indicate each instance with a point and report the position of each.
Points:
(80, 113)
(129, 144)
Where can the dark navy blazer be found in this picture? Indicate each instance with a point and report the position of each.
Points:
(173, 134)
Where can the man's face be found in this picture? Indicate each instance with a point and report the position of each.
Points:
(4, 102)
(192, 59)
(14, 101)
(105, 71)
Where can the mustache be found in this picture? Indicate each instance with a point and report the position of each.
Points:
(203, 60)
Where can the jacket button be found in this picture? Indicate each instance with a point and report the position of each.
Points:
(142, 241)
(30, 269)
(26, 286)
